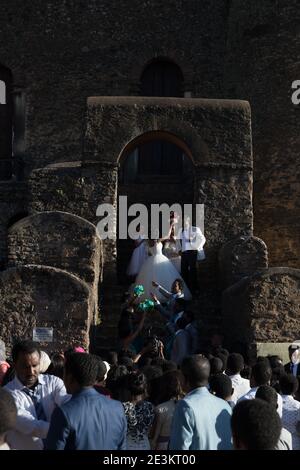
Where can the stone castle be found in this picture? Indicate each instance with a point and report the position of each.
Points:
(174, 101)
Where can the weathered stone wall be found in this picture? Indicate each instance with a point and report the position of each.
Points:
(62, 52)
(40, 296)
(261, 64)
(78, 190)
(241, 257)
(60, 240)
(13, 203)
(225, 191)
(56, 239)
(214, 131)
(221, 156)
(264, 307)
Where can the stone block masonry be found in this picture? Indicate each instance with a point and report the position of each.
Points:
(60, 240)
(41, 296)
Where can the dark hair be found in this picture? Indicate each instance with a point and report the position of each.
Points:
(223, 358)
(126, 353)
(153, 376)
(137, 383)
(221, 386)
(57, 365)
(196, 370)
(116, 382)
(152, 372)
(262, 373)
(112, 358)
(8, 411)
(189, 315)
(171, 386)
(235, 363)
(83, 367)
(288, 384)
(246, 372)
(256, 424)
(153, 342)
(169, 366)
(216, 365)
(275, 361)
(268, 394)
(180, 283)
(127, 362)
(263, 359)
(165, 365)
(25, 347)
(223, 351)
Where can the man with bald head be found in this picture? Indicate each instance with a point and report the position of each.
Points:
(201, 420)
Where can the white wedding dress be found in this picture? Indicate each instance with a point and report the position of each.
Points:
(170, 251)
(138, 257)
(158, 268)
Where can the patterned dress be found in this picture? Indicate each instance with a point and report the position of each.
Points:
(140, 417)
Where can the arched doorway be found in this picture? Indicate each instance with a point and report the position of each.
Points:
(6, 111)
(162, 178)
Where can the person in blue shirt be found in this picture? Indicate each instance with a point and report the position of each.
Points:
(89, 420)
(201, 420)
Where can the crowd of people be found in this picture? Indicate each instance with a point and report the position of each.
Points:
(142, 401)
(155, 391)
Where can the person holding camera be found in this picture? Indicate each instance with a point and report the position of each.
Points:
(190, 240)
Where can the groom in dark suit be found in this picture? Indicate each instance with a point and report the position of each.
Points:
(190, 239)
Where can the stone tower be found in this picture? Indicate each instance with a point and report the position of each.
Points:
(263, 60)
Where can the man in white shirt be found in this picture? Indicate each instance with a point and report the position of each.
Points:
(290, 407)
(241, 386)
(189, 241)
(261, 374)
(268, 394)
(36, 396)
(8, 416)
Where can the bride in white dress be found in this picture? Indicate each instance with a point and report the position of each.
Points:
(158, 268)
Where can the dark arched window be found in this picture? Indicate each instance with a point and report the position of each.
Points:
(162, 78)
(2, 92)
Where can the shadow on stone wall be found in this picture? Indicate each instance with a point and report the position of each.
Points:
(41, 296)
(263, 307)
